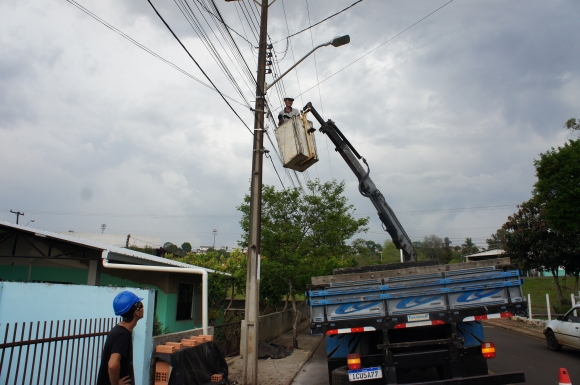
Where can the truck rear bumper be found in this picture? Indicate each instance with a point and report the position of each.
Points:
(490, 379)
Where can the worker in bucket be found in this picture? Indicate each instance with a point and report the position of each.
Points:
(288, 112)
(117, 359)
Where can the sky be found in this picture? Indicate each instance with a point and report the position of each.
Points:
(450, 102)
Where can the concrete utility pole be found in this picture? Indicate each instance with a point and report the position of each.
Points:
(18, 214)
(252, 311)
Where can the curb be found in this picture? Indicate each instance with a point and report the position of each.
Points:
(513, 328)
(302, 363)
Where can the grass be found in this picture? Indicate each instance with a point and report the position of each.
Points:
(538, 287)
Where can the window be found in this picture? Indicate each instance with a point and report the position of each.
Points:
(184, 302)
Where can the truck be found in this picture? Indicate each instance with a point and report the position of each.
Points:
(410, 322)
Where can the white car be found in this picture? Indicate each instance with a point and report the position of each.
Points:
(564, 331)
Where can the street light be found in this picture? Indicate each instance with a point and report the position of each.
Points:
(336, 42)
(214, 234)
(32, 220)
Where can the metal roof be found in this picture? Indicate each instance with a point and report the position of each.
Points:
(126, 255)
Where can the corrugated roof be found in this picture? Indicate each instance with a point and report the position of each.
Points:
(487, 253)
(140, 258)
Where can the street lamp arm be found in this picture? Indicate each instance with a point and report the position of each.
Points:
(336, 42)
(295, 64)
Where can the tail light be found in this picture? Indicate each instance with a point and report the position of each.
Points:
(353, 361)
(488, 350)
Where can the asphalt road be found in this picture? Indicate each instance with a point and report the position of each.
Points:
(515, 352)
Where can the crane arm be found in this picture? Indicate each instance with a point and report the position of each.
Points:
(366, 186)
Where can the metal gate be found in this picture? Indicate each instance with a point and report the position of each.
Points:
(53, 352)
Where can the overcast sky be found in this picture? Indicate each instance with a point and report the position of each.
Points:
(450, 114)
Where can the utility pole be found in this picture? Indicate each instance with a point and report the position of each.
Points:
(127, 242)
(252, 310)
(18, 214)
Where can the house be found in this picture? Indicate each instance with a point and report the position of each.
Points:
(484, 255)
(31, 255)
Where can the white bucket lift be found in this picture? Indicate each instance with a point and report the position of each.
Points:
(296, 143)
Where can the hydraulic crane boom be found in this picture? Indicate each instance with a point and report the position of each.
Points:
(366, 186)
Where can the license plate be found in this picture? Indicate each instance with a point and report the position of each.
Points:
(365, 374)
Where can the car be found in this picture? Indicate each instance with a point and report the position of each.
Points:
(564, 331)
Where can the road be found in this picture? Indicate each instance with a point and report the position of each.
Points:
(515, 352)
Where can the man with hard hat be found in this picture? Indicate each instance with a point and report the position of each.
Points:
(288, 112)
(117, 359)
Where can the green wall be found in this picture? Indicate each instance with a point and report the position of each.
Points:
(166, 304)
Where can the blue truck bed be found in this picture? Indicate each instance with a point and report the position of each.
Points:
(438, 293)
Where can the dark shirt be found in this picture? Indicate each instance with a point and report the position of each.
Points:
(118, 341)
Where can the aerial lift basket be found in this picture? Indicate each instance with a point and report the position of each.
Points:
(296, 143)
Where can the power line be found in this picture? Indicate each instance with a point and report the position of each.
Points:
(320, 22)
(198, 66)
(144, 48)
(115, 214)
(379, 46)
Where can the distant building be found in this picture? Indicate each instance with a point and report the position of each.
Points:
(484, 255)
(119, 240)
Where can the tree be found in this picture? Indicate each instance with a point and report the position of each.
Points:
(529, 239)
(432, 247)
(303, 234)
(367, 252)
(573, 124)
(497, 240)
(558, 186)
(186, 246)
(219, 284)
(390, 253)
(172, 249)
(468, 247)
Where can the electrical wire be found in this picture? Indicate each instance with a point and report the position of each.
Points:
(379, 46)
(144, 48)
(198, 66)
(320, 22)
(171, 216)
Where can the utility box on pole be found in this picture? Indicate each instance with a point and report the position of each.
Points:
(297, 144)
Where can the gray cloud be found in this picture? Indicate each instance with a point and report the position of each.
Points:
(450, 114)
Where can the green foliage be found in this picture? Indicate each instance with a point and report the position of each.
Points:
(173, 249)
(303, 235)
(390, 252)
(468, 247)
(366, 252)
(531, 241)
(158, 328)
(497, 240)
(572, 124)
(146, 249)
(186, 246)
(558, 186)
(436, 249)
(229, 278)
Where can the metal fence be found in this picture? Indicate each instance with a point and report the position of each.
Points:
(53, 352)
(227, 337)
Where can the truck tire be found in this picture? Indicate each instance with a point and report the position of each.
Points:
(340, 377)
(552, 342)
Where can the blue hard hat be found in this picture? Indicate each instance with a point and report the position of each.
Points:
(123, 302)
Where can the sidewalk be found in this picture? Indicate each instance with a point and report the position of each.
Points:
(282, 371)
(518, 326)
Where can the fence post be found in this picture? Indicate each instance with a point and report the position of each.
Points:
(529, 307)
(548, 307)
